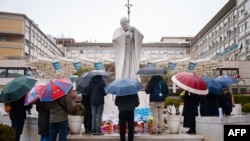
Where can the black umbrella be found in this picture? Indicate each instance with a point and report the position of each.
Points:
(83, 82)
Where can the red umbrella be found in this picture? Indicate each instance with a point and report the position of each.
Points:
(33, 95)
(190, 82)
(55, 89)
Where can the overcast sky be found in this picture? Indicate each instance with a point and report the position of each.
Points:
(96, 20)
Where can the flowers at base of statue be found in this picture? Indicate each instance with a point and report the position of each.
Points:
(135, 123)
(107, 126)
(150, 122)
(143, 126)
(78, 109)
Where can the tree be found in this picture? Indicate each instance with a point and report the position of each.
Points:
(81, 71)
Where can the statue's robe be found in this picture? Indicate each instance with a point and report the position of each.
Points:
(127, 58)
(127, 53)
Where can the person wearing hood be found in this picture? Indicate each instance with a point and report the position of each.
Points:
(97, 94)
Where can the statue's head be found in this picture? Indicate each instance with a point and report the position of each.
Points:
(124, 22)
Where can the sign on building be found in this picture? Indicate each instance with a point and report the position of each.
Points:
(78, 65)
(171, 66)
(57, 65)
(150, 64)
(99, 66)
(191, 66)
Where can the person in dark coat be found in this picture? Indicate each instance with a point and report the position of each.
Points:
(97, 94)
(18, 116)
(190, 111)
(87, 117)
(202, 104)
(43, 120)
(212, 104)
(227, 104)
(126, 106)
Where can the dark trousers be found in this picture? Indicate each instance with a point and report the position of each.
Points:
(17, 125)
(87, 118)
(126, 118)
(189, 121)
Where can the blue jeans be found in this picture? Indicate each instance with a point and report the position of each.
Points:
(44, 138)
(60, 128)
(97, 111)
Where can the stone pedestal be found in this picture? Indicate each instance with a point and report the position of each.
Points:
(212, 128)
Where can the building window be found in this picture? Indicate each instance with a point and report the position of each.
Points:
(228, 71)
(2, 39)
(73, 51)
(2, 73)
(15, 72)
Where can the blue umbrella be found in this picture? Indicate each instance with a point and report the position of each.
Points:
(226, 80)
(124, 86)
(214, 87)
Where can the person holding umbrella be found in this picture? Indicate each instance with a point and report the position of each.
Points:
(43, 120)
(126, 92)
(212, 104)
(14, 93)
(126, 106)
(97, 94)
(87, 118)
(18, 115)
(190, 111)
(227, 104)
(194, 86)
(158, 91)
(59, 108)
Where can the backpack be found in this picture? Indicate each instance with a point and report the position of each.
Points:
(159, 92)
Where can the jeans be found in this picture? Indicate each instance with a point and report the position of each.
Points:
(17, 125)
(126, 118)
(60, 128)
(44, 138)
(97, 111)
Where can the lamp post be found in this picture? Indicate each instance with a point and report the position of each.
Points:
(128, 5)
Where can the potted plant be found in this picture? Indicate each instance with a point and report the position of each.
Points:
(75, 118)
(6, 133)
(172, 106)
(246, 108)
(172, 113)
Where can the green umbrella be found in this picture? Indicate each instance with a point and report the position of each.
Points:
(17, 88)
